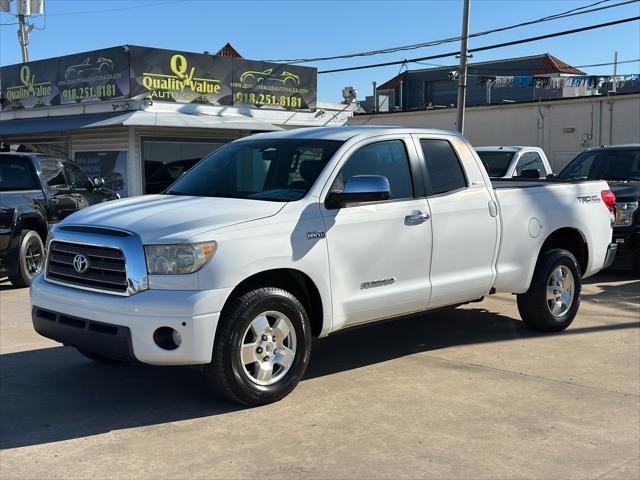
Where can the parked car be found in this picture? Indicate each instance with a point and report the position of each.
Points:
(279, 237)
(36, 191)
(509, 162)
(619, 165)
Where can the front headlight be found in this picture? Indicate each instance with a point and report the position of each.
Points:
(178, 259)
(624, 212)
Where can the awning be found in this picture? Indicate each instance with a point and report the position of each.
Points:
(137, 118)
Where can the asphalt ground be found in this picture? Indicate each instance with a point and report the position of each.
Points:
(465, 393)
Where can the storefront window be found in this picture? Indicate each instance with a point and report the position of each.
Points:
(108, 165)
(166, 160)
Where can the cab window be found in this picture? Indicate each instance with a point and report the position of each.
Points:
(15, 174)
(52, 172)
(443, 166)
(388, 159)
(530, 161)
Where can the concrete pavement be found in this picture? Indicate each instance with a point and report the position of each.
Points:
(467, 393)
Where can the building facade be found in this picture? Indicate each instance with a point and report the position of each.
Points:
(562, 128)
(503, 81)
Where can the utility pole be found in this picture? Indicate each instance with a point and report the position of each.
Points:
(462, 71)
(614, 86)
(23, 38)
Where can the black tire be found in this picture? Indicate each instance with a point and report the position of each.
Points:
(533, 305)
(96, 357)
(226, 374)
(31, 253)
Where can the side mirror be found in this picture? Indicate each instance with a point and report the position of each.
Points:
(359, 189)
(530, 173)
(98, 182)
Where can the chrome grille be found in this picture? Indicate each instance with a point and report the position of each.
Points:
(106, 269)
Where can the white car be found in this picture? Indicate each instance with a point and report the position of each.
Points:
(279, 237)
(509, 162)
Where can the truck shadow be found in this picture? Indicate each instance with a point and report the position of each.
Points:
(623, 296)
(55, 394)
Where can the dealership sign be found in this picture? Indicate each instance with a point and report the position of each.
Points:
(160, 75)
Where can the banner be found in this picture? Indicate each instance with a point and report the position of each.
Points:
(94, 76)
(30, 85)
(160, 75)
(273, 85)
(181, 77)
(590, 81)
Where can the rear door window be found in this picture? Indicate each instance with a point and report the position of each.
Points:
(443, 166)
(16, 174)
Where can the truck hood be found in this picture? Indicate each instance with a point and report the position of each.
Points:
(625, 191)
(172, 218)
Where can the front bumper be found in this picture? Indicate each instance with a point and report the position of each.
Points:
(112, 341)
(194, 314)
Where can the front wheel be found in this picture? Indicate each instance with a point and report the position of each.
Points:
(553, 298)
(261, 349)
(30, 260)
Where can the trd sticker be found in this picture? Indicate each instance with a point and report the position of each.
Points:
(589, 199)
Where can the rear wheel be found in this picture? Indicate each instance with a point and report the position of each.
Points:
(30, 260)
(552, 301)
(262, 348)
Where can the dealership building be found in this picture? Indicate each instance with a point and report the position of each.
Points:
(139, 117)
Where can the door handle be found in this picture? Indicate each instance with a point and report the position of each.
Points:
(416, 218)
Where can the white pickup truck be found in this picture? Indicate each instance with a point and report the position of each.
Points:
(279, 237)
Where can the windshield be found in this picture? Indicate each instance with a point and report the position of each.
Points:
(275, 170)
(621, 165)
(497, 162)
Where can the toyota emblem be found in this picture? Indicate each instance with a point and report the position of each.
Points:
(80, 263)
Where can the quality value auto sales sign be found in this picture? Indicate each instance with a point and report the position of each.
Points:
(160, 75)
(182, 77)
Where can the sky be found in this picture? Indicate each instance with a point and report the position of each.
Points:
(267, 29)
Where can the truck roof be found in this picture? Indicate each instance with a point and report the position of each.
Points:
(626, 146)
(513, 148)
(346, 132)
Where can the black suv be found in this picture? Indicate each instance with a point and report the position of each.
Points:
(35, 191)
(619, 165)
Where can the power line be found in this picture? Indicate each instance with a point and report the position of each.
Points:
(607, 64)
(488, 47)
(131, 7)
(569, 13)
(481, 68)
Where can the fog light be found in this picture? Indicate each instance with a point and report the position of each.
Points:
(176, 337)
(167, 338)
